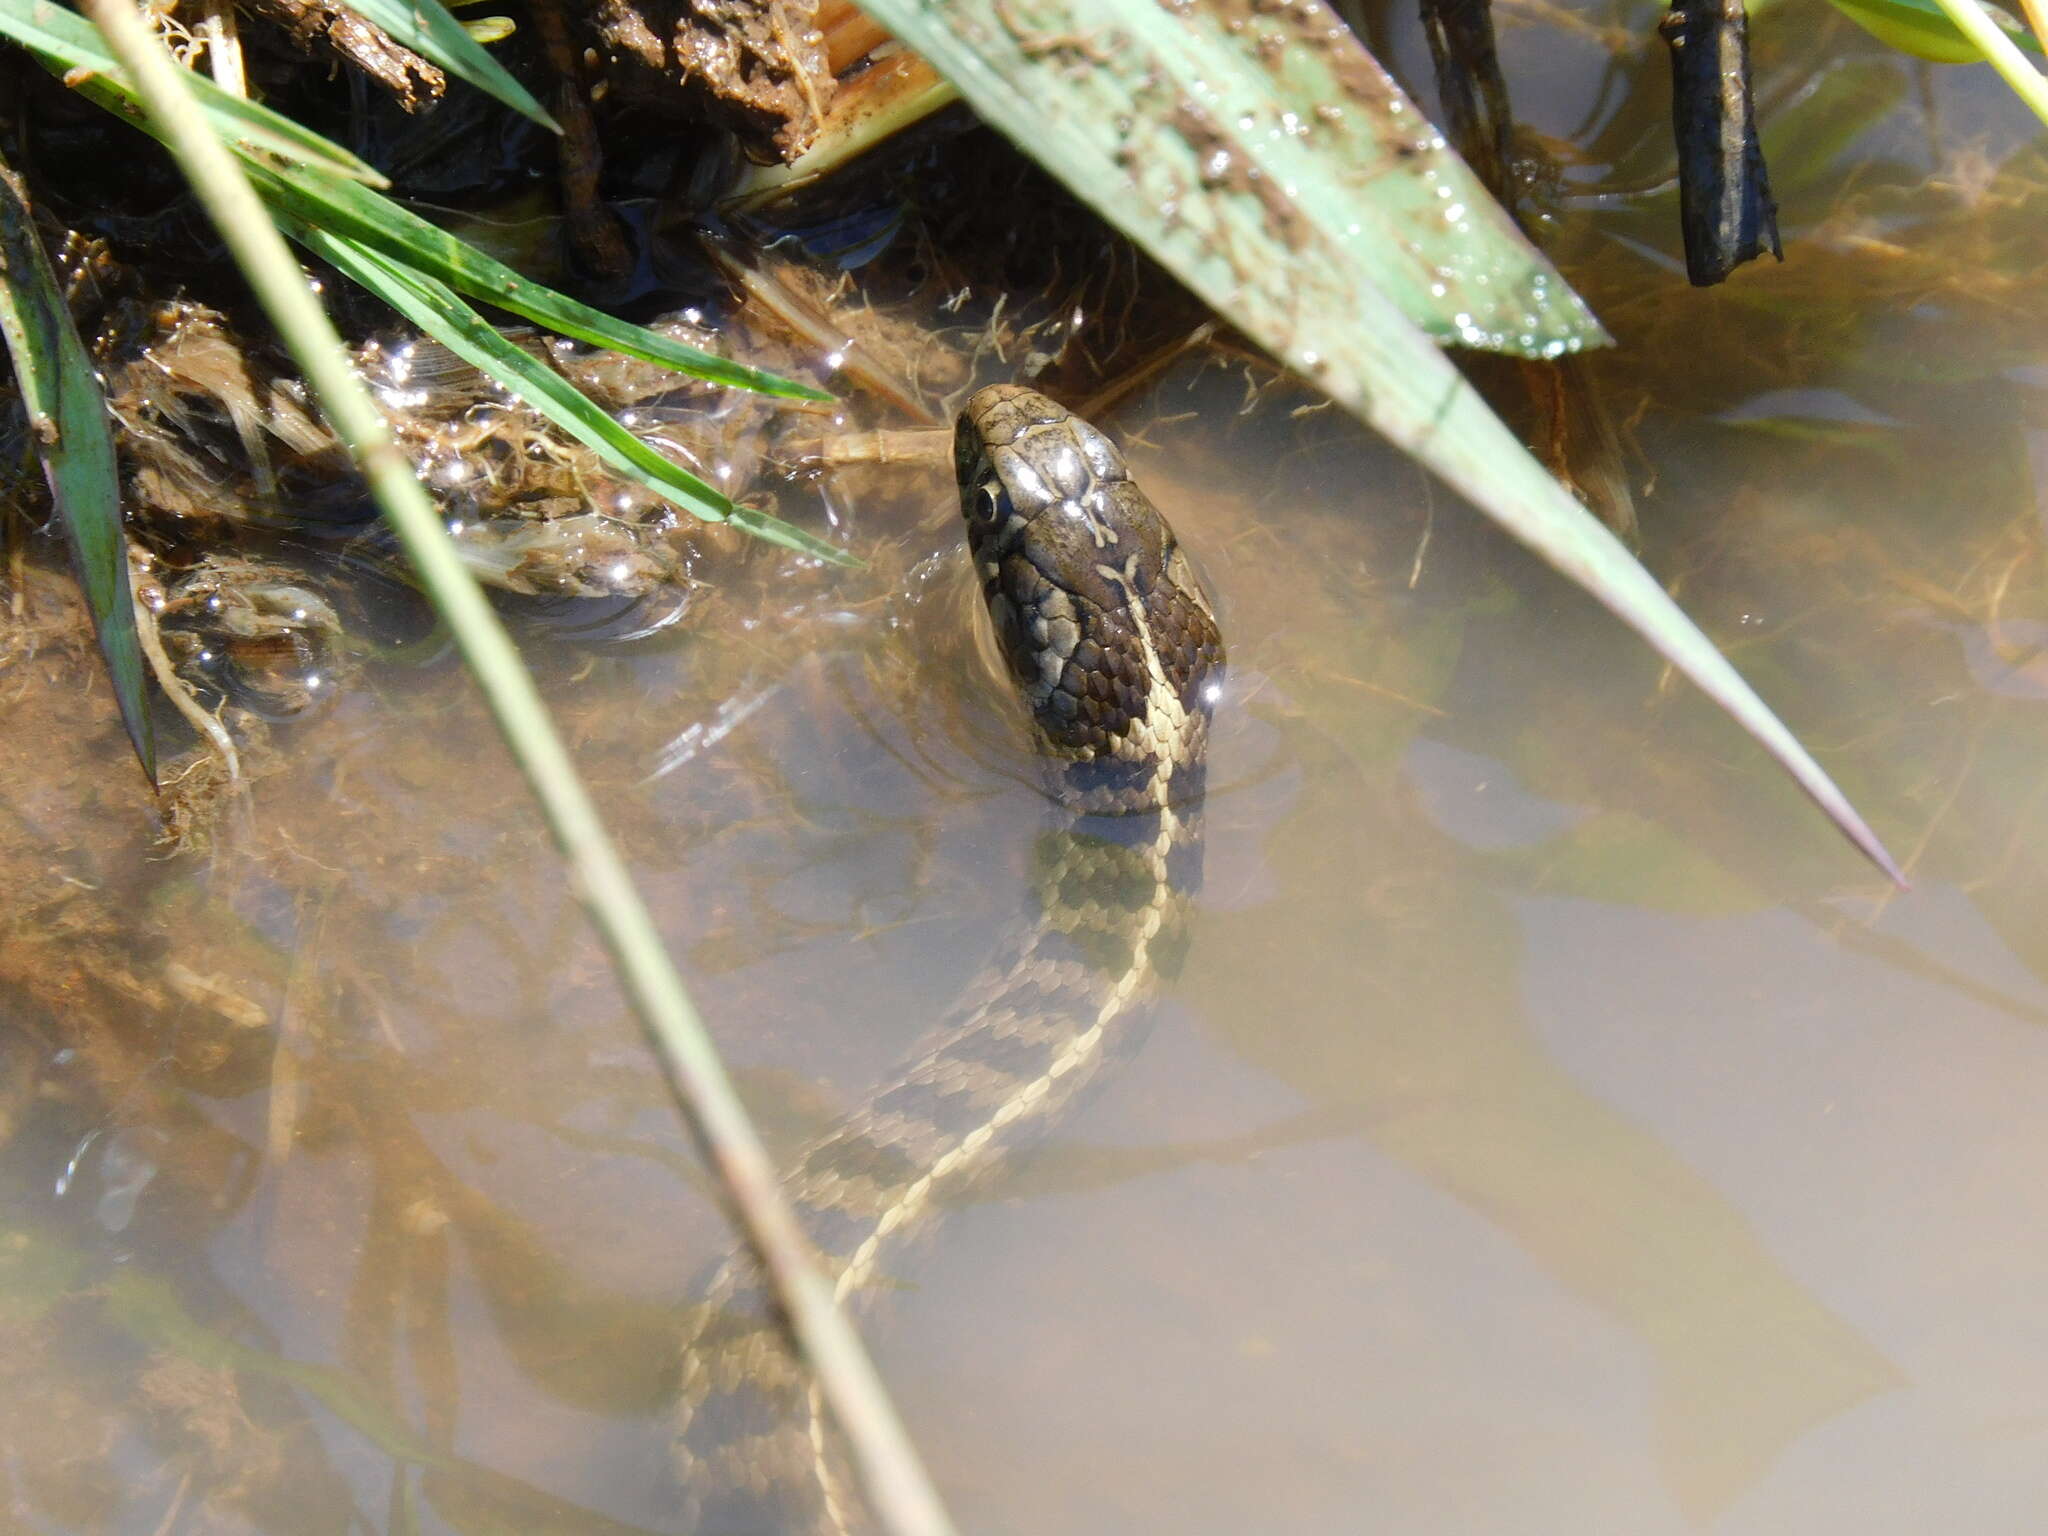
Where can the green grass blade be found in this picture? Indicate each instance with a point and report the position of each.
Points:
(428, 30)
(325, 187)
(1099, 92)
(1274, 132)
(328, 202)
(72, 48)
(68, 421)
(437, 310)
(1976, 23)
(1924, 29)
(898, 1488)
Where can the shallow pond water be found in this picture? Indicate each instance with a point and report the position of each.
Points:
(1554, 1127)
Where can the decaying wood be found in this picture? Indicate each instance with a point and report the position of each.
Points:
(594, 230)
(759, 65)
(321, 24)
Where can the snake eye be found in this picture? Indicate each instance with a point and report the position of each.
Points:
(989, 511)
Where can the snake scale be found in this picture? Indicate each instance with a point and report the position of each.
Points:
(1114, 650)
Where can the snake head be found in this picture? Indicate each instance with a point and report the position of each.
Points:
(1098, 614)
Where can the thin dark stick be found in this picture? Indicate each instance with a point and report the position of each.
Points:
(1468, 79)
(1726, 211)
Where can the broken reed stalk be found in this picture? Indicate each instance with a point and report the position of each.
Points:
(2037, 18)
(891, 1474)
(1725, 208)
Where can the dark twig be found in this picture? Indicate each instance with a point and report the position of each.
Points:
(1474, 95)
(594, 230)
(1725, 207)
(1575, 434)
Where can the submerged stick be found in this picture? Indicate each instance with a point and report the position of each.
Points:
(890, 1472)
(1470, 85)
(1575, 435)
(207, 726)
(1726, 211)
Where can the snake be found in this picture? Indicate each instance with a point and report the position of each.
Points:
(1112, 647)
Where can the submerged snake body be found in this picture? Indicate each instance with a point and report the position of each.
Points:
(1115, 651)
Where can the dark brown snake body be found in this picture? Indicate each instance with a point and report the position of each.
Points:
(1115, 651)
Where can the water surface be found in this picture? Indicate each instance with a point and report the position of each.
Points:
(1554, 1128)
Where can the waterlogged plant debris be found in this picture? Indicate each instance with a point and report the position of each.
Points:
(425, 27)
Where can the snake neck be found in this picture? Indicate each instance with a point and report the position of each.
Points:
(1060, 1002)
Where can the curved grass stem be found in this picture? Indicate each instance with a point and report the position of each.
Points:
(1975, 23)
(208, 726)
(893, 1478)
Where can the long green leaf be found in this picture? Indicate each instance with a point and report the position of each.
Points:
(71, 47)
(1279, 255)
(329, 202)
(322, 185)
(436, 309)
(1288, 110)
(68, 421)
(428, 30)
(1923, 29)
(898, 1488)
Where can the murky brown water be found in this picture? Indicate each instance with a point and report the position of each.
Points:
(1555, 1128)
